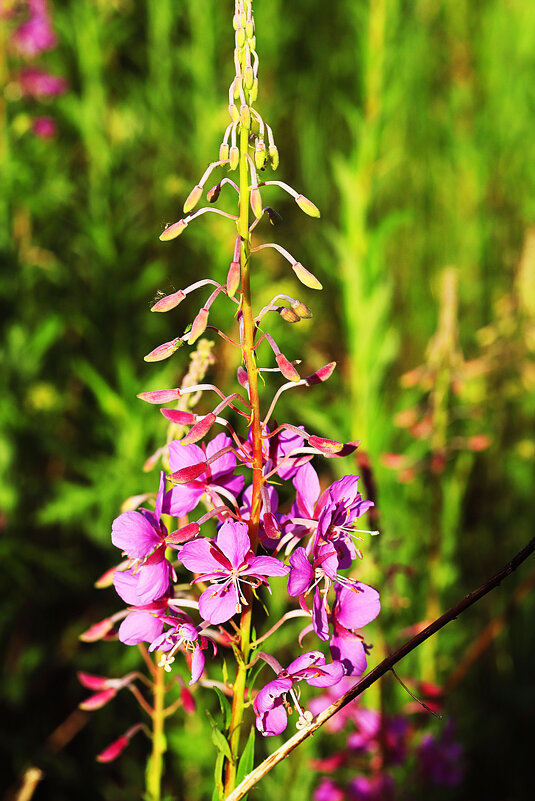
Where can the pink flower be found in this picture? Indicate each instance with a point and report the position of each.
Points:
(35, 35)
(44, 127)
(36, 82)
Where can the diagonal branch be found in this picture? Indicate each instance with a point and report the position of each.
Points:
(379, 671)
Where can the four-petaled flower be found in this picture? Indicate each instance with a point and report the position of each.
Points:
(229, 562)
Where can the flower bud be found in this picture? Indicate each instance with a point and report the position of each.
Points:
(289, 315)
(183, 534)
(223, 151)
(233, 278)
(325, 445)
(97, 631)
(98, 700)
(159, 395)
(274, 216)
(91, 681)
(245, 116)
(169, 302)
(172, 231)
(253, 91)
(322, 374)
(240, 38)
(243, 380)
(106, 579)
(260, 154)
(273, 156)
(233, 111)
(307, 206)
(271, 526)
(287, 368)
(301, 309)
(213, 194)
(199, 326)
(248, 78)
(189, 473)
(249, 28)
(188, 701)
(234, 156)
(179, 417)
(192, 199)
(199, 430)
(256, 202)
(113, 750)
(163, 351)
(305, 276)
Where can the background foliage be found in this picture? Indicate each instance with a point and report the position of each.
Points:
(410, 124)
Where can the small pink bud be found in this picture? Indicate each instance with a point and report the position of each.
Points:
(91, 681)
(305, 276)
(189, 473)
(301, 309)
(271, 526)
(113, 750)
(223, 151)
(168, 302)
(245, 116)
(243, 380)
(188, 701)
(163, 351)
(325, 445)
(289, 315)
(193, 198)
(172, 231)
(233, 278)
(307, 206)
(273, 156)
(213, 194)
(256, 202)
(97, 631)
(199, 430)
(199, 326)
(153, 460)
(287, 368)
(105, 580)
(183, 534)
(234, 156)
(322, 374)
(98, 700)
(159, 395)
(478, 442)
(179, 417)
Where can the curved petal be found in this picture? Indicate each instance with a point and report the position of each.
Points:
(274, 721)
(268, 695)
(233, 541)
(133, 533)
(307, 484)
(197, 665)
(183, 498)
(140, 627)
(327, 676)
(307, 660)
(183, 455)
(349, 650)
(301, 573)
(218, 604)
(267, 566)
(225, 463)
(197, 556)
(356, 606)
(153, 581)
(125, 584)
(320, 621)
(159, 496)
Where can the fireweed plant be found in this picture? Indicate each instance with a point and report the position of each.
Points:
(189, 595)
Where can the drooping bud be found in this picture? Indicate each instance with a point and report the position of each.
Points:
(106, 579)
(113, 750)
(188, 701)
(245, 115)
(233, 278)
(192, 199)
(305, 276)
(199, 430)
(159, 395)
(273, 156)
(287, 368)
(98, 700)
(307, 206)
(260, 154)
(97, 631)
(256, 202)
(325, 445)
(199, 326)
(163, 351)
(189, 473)
(248, 77)
(289, 315)
(223, 151)
(91, 681)
(321, 375)
(128, 505)
(172, 231)
(213, 194)
(301, 309)
(243, 380)
(233, 111)
(271, 526)
(179, 417)
(274, 216)
(183, 534)
(234, 156)
(169, 302)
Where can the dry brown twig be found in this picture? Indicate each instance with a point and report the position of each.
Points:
(379, 671)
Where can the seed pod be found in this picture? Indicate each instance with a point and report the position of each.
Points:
(213, 194)
(199, 430)
(301, 309)
(256, 202)
(245, 116)
(172, 231)
(322, 374)
(179, 417)
(189, 473)
(192, 199)
(183, 534)
(326, 446)
(289, 315)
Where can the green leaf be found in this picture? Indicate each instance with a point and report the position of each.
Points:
(218, 738)
(219, 789)
(225, 706)
(246, 763)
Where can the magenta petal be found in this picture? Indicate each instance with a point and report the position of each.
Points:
(125, 584)
(218, 604)
(348, 649)
(356, 606)
(140, 627)
(160, 496)
(233, 541)
(225, 463)
(269, 694)
(133, 533)
(307, 660)
(274, 721)
(181, 456)
(183, 498)
(307, 484)
(329, 675)
(320, 620)
(197, 665)
(267, 566)
(301, 573)
(197, 556)
(153, 581)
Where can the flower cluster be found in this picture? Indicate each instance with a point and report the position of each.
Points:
(32, 34)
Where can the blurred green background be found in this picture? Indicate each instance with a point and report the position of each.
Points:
(410, 125)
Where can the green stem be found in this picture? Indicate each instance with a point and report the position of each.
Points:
(155, 766)
(252, 374)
